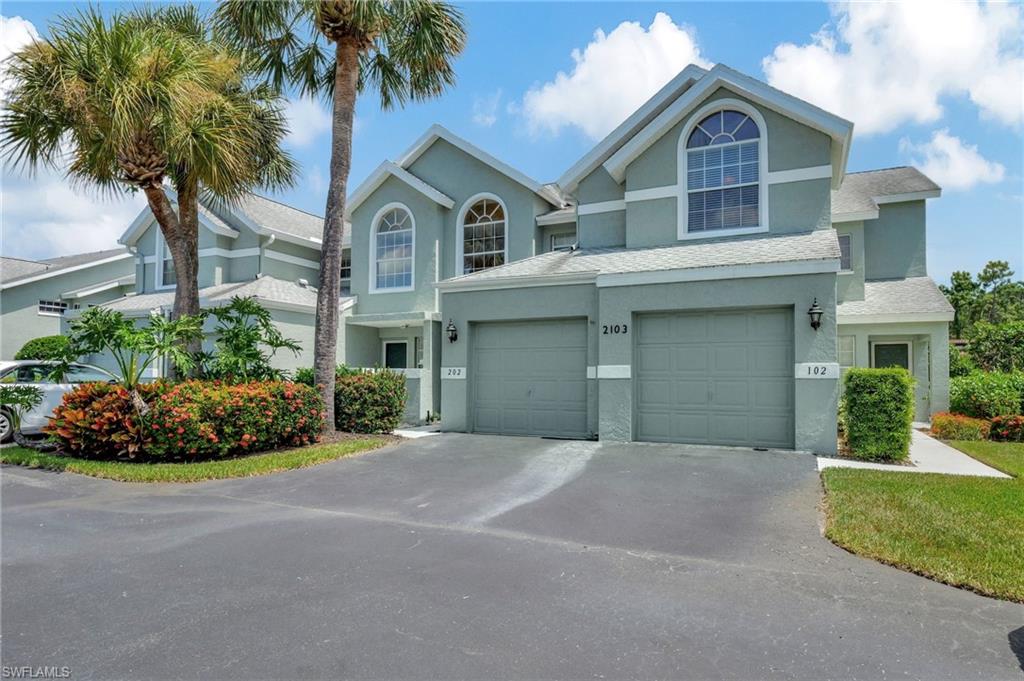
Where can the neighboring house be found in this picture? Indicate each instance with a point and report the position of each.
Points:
(35, 294)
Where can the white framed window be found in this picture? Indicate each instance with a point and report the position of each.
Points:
(165, 275)
(845, 253)
(563, 242)
(53, 308)
(395, 354)
(723, 171)
(481, 242)
(346, 271)
(846, 351)
(886, 354)
(392, 249)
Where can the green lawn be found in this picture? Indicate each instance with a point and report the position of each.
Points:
(256, 464)
(964, 531)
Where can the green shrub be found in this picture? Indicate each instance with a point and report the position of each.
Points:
(43, 348)
(1008, 428)
(877, 411)
(959, 362)
(997, 347)
(369, 401)
(959, 427)
(100, 421)
(191, 421)
(984, 394)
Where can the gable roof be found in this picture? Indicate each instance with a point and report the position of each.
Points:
(839, 129)
(207, 219)
(435, 132)
(269, 217)
(388, 169)
(571, 178)
(861, 193)
(897, 300)
(15, 271)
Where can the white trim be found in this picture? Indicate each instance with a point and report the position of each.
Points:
(470, 283)
(755, 270)
(373, 250)
(384, 343)
(855, 216)
(145, 219)
(800, 174)
(436, 132)
(290, 259)
(591, 372)
(64, 270)
(158, 272)
(893, 318)
(460, 235)
(557, 218)
(907, 196)
(437, 274)
(840, 130)
(682, 172)
(910, 352)
(98, 288)
(614, 371)
(669, 191)
(383, 172)
(228, 253)
(601, 207)
(570, 179)
(410, 372)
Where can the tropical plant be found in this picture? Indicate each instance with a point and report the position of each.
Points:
(400, 50)
(134, 348)
(141, 98)
(15, 400)
(244, 328)
(44, 348)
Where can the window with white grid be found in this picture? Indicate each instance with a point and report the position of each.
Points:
(483, 236)
(845, 253)
(723, 173)
(394, 252)
(52, 307)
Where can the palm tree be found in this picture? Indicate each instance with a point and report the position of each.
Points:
(400, 49)
(142, 98)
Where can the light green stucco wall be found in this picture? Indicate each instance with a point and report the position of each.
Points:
(895, 243)
(20, 320)
(603, 230)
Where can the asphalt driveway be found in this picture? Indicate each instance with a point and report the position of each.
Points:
(462, 556)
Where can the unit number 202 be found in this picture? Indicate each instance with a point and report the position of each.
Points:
(608, 329)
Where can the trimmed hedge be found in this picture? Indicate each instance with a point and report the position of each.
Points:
(190, 421)
(948, 426)
(876, 412)
(984, 394)
(365, 401)
(43, 348)
(1008, 428)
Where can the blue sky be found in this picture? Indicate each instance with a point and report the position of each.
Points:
(939, 87)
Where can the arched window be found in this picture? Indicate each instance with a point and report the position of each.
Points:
(723, 160)
(483, 235)
(393, 249)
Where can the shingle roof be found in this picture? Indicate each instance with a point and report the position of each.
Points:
(283, 218)
(268, 289)
(13, 269)
(817, 245)
(859, 190)
(897, 297)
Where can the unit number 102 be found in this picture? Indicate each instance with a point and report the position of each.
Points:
(608, 329)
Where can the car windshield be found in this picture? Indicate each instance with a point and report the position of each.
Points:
(27, 373)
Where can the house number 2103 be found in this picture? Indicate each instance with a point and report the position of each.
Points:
(608, 329)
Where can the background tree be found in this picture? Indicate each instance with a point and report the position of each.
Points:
(127, 103)
(401, 50)
(993, 298)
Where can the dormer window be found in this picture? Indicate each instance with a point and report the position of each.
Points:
(723, 175)
(483, 226)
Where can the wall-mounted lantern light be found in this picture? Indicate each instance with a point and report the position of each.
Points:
(451, 331)
(815, 314)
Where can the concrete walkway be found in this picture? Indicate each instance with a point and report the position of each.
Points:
(927, 455)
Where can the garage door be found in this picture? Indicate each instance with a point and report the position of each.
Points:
(722, 378)
(529, 378)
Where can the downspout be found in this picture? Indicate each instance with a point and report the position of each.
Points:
(263, 247)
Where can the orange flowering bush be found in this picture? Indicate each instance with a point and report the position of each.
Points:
(1008, 428)
(99, 420)
(948, 426)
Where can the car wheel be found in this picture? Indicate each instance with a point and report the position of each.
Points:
(6, 427)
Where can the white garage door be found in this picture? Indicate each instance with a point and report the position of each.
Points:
(529, 378)
(723, 378)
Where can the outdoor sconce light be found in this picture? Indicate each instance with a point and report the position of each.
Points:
(815, 314)
(453, 333)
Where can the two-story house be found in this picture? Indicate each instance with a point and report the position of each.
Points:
(702, 275)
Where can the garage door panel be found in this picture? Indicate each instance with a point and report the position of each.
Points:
(730, 373)
(529, 378)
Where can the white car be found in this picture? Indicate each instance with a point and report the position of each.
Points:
(37, 373)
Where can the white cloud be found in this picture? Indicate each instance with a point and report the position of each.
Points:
(307, 120)
(612, 76)
(951, 163)
(884, 64)
(15, 33)
(485, 109)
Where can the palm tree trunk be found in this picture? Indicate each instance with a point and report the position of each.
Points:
(346, 74)
(185, 253)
